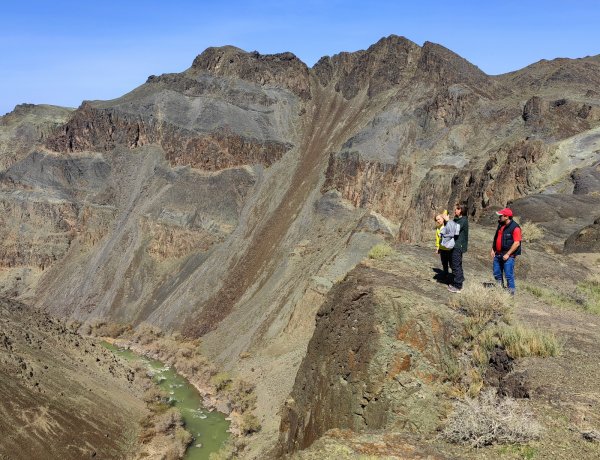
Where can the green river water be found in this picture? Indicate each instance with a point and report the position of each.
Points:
(209, 429)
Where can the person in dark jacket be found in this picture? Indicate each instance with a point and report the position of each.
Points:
(460, 247)
(505, 248)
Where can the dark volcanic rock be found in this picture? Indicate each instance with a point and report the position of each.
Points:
(499, 374)
(195, 202)
(585, 240)
(380, 186)
(447, 68)
(371, 362)
(394, 62)
(388, 63)
(103, 129)
(586, 180)
(281, 70)
(558, 119)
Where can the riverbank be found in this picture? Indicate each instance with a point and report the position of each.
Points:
(219, 391)
(177, 410)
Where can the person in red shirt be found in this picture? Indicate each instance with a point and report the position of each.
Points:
(505, 248)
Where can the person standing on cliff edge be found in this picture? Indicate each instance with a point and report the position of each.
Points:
(460, 247)
(505, 248)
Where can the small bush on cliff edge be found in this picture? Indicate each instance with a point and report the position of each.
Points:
(489, 419)
(379, 251)
(249, 424)
(221, 381)
(520, 341)
(481, 307)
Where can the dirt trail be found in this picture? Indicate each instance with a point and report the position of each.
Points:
(330, 120)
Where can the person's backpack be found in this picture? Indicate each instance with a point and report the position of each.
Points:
(450, 230)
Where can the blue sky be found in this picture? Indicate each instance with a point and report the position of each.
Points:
(62, 52)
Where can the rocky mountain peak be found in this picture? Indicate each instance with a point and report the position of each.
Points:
(281, 69)
(380, 67)
(447, 67)
(394, 60)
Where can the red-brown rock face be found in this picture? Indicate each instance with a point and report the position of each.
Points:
(103, 129)
(381, 187)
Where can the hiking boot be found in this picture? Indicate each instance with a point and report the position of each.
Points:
(454, 289)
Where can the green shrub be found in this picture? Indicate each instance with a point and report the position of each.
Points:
(221, 381)
(249, 424)
(380, 251)
(520, 341)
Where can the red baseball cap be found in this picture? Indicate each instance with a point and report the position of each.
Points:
(505, 212)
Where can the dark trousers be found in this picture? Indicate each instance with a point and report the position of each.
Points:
(457, 269)
(445, 257)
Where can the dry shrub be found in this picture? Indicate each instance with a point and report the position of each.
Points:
(183, 439)
(242, 397)
(145, 334)
(249, 424)
(146, 435)
(531, 232)
(73, 325)
(488, 420)
(168, 421)
(379, 251)
(156, 400)
(485, 303)
(164, 348)
(194, 366)
(172, 453)
(155, 394)
(227, 452)
(186, 349)
(85, 329)
(108, 329)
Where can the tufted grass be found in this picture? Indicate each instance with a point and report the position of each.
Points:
(380, 251)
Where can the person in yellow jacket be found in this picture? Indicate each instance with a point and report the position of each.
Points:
(445, 253)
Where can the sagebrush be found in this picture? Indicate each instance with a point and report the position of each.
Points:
(489, 419)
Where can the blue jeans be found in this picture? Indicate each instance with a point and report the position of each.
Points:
(508, 268)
